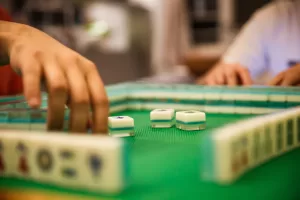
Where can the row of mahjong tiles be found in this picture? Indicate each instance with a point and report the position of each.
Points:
(182, 154)
(249, 143)
(162, 151)
(214, 99)
(191, 120)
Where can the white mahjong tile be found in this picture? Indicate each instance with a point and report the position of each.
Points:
(274, 110)
(183, 95)
(8, 156)
(136, 105)
(134, 95)
(18, 150)
(15, 126)
(291, 125)
(250, 127)
(259, 110)
(277, 97)
(242, 110)
(38, 127)
(249, 134)
(242, 96)
(3, 150)
(120, 121)
(158, 114)
(223, 157)
(295, 130)
(151, 106)
(259, 97)
(98, 162)
(190, 120)
(227, 96)
(270, 123)
(117, 97)
(235, 153)
(190, 116)
(118, 108)
(212, 109)
(279, 134)
(104, 170)
(293, 98)
(162, 118)
(57, 159)
(226, 109)
(283, 121)
(70, 157)
(144, 95)
(130, 106)
(183, 107)
(44, 159)
(194, 96)
(168, 95)
(268, 136)
(297, 113)
(212, 96)
(262, 142)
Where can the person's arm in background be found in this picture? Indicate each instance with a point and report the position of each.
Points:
(68, 76)
(246, 57)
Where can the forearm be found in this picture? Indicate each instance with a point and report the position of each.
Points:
(9, 31)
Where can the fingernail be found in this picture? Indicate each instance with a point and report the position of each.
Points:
(34, 102)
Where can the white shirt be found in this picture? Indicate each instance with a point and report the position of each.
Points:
(270, 41)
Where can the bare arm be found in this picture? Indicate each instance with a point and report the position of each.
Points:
(69, 76)
(8, 33)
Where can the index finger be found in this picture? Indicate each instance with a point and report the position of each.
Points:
(99, 99)
(276, 80)
(231, 77)
(245, 76)
(290, 80)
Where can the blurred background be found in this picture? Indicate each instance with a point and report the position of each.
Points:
(133, 39)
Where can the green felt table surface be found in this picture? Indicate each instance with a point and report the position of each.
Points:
(165, 165)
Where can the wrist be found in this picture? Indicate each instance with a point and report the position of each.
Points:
(9, 32)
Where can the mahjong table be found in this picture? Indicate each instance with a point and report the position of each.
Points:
(164, 163)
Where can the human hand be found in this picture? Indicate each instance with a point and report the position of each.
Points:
(226, 74)
(289, 77)
(67, 75)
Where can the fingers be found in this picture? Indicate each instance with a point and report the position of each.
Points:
(99, 100)
(200, 81)
(220, 78)
(29, 64)
(57, 87)
(215, 77)
(244, 74)
(31, 71)
(211, 80)
(277, 80)
(228, 75)
(231, 77)
(290, 79)
(79, 94)
(75, 76)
